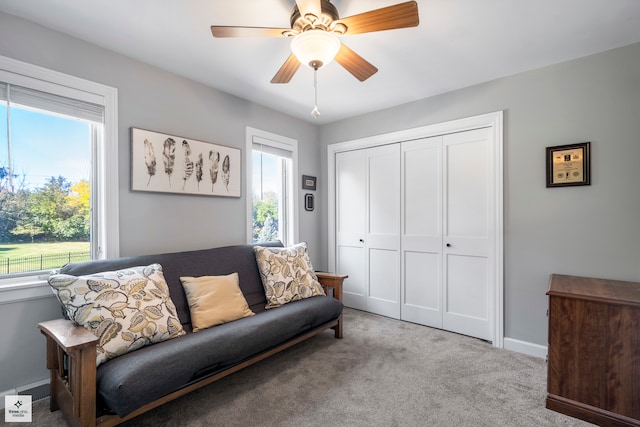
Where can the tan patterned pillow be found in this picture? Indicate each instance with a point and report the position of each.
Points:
(287, 274)
(214, 300)
(125, 309)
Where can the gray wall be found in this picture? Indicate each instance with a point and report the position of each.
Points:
(22, 346)
(588, 231)
(151, 99)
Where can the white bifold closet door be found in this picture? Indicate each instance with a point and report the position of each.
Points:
(351, 230)
(448, 204)
(414, 230)
(422, 231)
(383, 230)
(368, 228)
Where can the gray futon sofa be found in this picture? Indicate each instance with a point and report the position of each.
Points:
(131, 384)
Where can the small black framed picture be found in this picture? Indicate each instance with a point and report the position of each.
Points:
(308, 202)
(569, 165)
(308, 182)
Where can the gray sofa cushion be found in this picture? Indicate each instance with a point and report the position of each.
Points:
(205, 262)
(135, 379)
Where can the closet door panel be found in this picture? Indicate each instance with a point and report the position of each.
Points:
(422, 288)
(467, 296)
(383, 279)
(422, 188)
(384, 200)
(351, 182)
(421, 274)
(351, 232)
(354, 290)
(467, 290)
(383, 230)
(469, 201)
(468, 188)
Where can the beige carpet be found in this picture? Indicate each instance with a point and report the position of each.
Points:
(383, 373)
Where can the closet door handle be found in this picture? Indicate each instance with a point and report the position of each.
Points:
(448, 245)
(361, 241)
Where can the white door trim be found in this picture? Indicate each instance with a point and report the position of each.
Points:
(493, 120)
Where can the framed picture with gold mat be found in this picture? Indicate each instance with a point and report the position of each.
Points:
(569, 165)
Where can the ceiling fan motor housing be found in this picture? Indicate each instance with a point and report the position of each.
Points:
(328, 16)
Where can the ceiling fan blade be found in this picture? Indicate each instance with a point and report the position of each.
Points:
(309, 6)
(288, 69)
(402, 15)
(355, 64)
(224, 31)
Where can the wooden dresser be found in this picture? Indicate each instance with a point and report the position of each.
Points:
(594, 350)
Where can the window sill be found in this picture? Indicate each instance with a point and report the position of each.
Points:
(24, 289)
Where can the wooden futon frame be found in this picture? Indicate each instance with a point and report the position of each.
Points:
(71, 359)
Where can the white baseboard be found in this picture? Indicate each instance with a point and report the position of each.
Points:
(21, 389)
(531, 349)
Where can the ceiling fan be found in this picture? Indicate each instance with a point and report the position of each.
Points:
(315, 27)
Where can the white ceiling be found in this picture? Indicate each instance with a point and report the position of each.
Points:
(458, 43)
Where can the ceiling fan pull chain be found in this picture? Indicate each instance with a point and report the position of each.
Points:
(315, 112)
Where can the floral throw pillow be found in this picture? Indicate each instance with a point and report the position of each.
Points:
(125, 309)
(287, 274)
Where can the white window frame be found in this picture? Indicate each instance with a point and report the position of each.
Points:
(282, 143)
(105, 209)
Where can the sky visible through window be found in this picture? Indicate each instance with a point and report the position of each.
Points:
(271, 170)
(44, 145)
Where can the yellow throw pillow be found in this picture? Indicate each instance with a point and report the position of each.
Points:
(214, 300)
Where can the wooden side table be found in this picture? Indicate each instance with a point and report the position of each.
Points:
(594, 350)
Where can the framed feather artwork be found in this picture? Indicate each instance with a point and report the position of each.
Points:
(173, 164)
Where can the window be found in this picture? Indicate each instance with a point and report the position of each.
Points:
(58, 172)
(272, 199)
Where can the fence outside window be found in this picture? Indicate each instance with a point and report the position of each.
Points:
(41, 262)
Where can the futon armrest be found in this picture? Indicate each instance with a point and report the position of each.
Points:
(332, 280)
(67, 334)
(71, 359)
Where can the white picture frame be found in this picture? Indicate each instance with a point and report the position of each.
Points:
(167, 163)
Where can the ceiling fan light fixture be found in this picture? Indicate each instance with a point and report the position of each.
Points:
(315, 48)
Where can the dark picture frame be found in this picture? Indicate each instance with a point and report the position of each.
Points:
(569, 165)
(308, 182)
(309, 202)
